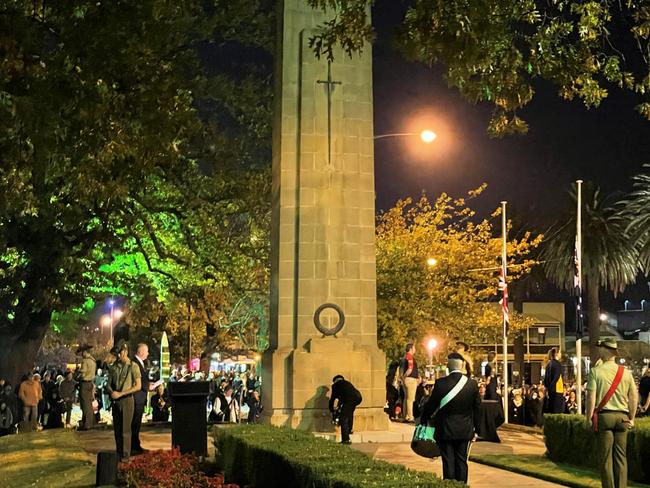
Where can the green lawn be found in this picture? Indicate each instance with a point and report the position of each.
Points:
(47, 459)
(545, 469)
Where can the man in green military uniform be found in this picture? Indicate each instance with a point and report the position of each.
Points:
(123, 382)
(86, 379)
(615, 417)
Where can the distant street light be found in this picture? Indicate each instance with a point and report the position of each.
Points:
(431, 346)
(427, 136)
(432, 261)
(603, 317)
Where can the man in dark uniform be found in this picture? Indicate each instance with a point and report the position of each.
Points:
(457, 421)
(123, 382)
(345, 398)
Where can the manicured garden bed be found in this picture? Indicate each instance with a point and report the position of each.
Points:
(275, 457)
(570, 440)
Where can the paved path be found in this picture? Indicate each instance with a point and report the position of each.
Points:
(153, 438)
(480, 476)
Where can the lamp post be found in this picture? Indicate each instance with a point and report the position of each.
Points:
(108, 320)
(427, 136)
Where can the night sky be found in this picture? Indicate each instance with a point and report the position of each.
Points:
(566, 141)
(534, 172)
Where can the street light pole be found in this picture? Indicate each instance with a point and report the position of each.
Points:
(427, 136)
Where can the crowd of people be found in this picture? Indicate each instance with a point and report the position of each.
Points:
(45, 397)
(407, 389)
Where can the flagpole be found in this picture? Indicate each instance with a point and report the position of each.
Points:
(579, 259)
(504, 265)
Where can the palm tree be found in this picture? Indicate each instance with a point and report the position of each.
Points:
(609, 258)
(637, 213)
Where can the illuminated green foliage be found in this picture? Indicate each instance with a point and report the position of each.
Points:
(127, 166)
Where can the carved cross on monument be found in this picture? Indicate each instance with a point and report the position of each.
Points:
(329, 87)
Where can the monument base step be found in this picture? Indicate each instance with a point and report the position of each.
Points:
(378, 436)
(320, 420)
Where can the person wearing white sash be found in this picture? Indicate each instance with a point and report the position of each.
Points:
(453, 409)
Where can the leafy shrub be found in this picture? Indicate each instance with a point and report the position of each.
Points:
(270, 457)
(168, 469)
(569, 439)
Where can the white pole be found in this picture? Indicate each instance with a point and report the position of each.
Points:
(579, 258)
(504, 265)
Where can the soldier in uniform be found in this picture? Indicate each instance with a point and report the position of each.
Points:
(86, 379)
(123, 382)
(613, 419)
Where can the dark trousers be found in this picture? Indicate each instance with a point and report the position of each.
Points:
(346, 420)
(122, 418)
(454, 459)
(68, 411)
(138, 411)
(86, 402)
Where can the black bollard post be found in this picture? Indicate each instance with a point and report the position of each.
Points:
(106, 468)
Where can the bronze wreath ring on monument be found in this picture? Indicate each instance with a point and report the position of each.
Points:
(325, 330)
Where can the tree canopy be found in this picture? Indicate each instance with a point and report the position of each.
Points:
(117, 138)
(495, 50)
(449, 300)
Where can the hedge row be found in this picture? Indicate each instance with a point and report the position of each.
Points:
(270, 457)
(569, 439)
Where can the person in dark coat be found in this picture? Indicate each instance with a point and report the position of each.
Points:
(490, 379)
(219, 403)
(160, 405)
(457, 421)
(140, 397)
(345, 398)
(392, 393)
(553, 384)
(56, 407)
(67, 391)
(516, 408)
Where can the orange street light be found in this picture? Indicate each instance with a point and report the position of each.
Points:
(427, 136)
(432, 261)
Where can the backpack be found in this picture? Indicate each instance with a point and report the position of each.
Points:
(357, 397)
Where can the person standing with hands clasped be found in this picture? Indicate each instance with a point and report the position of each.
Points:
(123, 381)
(453, 409)
(611, 406)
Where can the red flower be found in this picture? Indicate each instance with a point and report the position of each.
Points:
(168, 469)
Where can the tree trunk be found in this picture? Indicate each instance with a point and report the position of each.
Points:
(18, 351)
(593, 318)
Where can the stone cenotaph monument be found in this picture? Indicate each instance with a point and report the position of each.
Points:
(323, 290)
